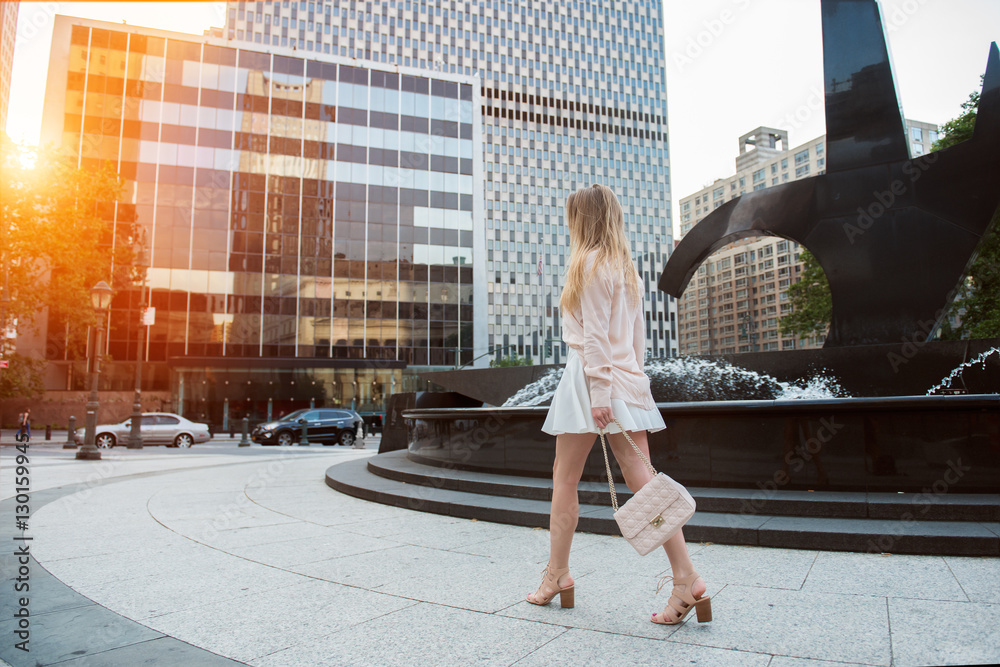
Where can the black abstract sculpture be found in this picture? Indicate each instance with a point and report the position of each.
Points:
(894, 235)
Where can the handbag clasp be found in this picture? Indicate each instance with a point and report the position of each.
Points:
(657, 521)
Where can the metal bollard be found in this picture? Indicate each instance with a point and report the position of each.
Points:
(304, 440)
(245, 442)
(70, 442)
(48, 431)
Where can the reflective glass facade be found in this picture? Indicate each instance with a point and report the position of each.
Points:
(573, 93)
(302, 214)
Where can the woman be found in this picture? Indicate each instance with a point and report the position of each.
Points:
(604, 328)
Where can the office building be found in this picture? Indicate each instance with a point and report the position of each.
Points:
(573, 93)
(315, 226)
(735, 301)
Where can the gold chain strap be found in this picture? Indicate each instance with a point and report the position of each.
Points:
(607, 463)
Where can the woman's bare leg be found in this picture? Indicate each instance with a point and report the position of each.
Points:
(636, 475)
(572, 450)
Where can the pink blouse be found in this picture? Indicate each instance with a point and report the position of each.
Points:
(609, 335)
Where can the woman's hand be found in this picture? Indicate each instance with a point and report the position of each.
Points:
(602, 416)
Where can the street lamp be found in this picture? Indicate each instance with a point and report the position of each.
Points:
(100, 299)
(135, 437)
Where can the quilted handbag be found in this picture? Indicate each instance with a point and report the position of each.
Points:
(656, 512)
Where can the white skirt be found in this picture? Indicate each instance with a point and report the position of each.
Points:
(570, 408)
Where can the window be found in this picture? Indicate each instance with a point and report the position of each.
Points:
(784, 163)
(801, 171)
(918, 149)
(718, 193)
(758, 176)
(819, 148)
(917, 134)
(802, 156)
(932, 136)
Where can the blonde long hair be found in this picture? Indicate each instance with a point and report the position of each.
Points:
(596, 222)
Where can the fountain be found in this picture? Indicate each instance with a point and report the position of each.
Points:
(845, 448)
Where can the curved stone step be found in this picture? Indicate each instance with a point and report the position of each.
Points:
(964, 538)
(776, 502)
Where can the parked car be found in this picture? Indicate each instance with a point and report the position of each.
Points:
(326, 425)
(158, 428)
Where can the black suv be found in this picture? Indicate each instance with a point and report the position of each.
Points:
(326, 425)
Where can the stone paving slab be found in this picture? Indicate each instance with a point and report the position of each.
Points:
(979, 577)
(796, 624)
(277, 619)
(71, 633)
(926, 632)
(583, 647)
(917, 577)
(423, 634)
(308, 576)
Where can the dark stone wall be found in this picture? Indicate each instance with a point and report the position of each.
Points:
(489, 385)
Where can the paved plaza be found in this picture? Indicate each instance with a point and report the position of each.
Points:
(225, 555)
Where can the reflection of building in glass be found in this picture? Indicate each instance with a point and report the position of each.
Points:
(310, 222)
(573, 93)
(736, 300)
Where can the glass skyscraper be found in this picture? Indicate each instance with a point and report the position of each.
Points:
(314, 227)
(572, 93)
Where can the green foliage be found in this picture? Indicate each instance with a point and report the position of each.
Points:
(812, 306)
(511, 360)
(960, 129)
(977, 301)
(22, 378)
(56, 241)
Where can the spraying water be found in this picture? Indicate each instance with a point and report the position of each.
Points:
(695, 379)
(981, 359)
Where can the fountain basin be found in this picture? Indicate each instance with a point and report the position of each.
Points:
(928, 444)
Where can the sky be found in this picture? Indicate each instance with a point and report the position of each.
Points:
(732, 66)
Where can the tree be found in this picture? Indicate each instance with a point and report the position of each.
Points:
(511, 360)
(55, 241)
(957, 130)
(812, 306)
(22, 378)
(977, 299)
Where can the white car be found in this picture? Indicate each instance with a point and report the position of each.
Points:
(158, 428)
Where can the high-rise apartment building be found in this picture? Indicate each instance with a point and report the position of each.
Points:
(572, 93)
(8, 37)
(735, 301)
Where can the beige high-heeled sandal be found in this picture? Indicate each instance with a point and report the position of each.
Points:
(550, 582)
(681, 602)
